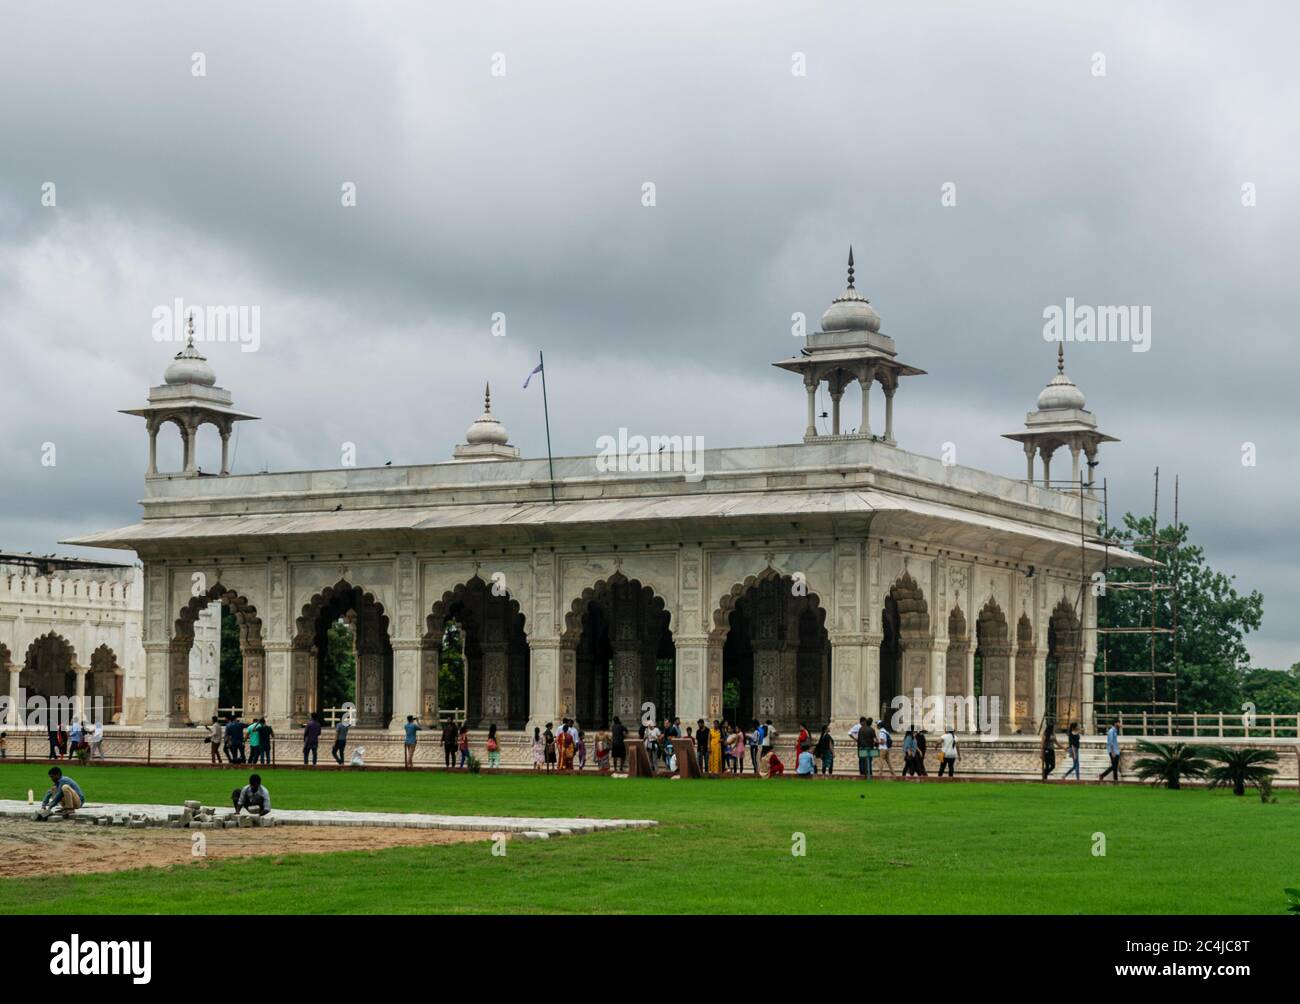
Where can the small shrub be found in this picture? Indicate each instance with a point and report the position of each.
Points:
(1293, 901)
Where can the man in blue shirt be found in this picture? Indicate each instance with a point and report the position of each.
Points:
(235, 737)
(65, 796)
(805, 767)
(1112, 749)
(410, 728)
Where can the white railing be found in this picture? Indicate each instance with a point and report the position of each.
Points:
(1198, 725)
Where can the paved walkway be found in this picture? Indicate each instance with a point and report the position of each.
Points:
(160, 815)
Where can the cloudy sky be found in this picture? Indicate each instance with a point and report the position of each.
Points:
(499, 154)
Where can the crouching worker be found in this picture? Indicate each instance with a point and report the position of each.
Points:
(253, 797)
(65, 797)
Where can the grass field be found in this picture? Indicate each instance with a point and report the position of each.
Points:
(723, 847)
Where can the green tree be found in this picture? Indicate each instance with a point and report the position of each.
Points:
(1213, 621)
(340, 670)
(1273, 691)
(451, 670)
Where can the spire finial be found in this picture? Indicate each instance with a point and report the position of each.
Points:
(1060, 356)
(850, 266)
(487, 398)
(189, 330)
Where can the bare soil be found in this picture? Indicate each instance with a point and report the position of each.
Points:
(63, 847)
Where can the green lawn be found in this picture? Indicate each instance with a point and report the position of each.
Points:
(723, 847)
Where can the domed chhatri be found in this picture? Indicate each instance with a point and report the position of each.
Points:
(189, 365)
(1061, 394)
(188, 398)
(486, 438)
(1061, 422)
(851, 311)
(486, 429)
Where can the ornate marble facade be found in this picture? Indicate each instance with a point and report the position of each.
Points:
(810, 582)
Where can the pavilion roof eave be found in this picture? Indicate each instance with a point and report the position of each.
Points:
(846, 511)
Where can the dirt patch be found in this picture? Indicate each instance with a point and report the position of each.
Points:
(61, 847)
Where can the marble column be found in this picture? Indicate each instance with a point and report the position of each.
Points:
(406, 682)
(14, 717)
(889, 414)
(811, 386)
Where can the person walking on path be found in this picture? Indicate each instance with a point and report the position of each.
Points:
(410, 728)
(339, 750)
(235, 737)
(1112, 750)
(255, 742)
(868, 745)
(909, 754)
(860, 740)
(214, 740)
(311, 739)
(920, 753)
(581, 749)
(1073, 740)
(539, 749)
(493, 747)
(449, 746)
(755, 742)
(548, 745)
(948, 745)
(97, 741)
(702, 744)
(1048, 748)
(824, 752)
(268, 742)
(886, 743)
(462, 745)
(618, 749)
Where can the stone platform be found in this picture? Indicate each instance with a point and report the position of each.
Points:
(161, 815)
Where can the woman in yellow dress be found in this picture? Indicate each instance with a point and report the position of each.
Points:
(715, 749)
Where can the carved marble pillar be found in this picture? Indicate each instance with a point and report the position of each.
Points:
(692, 677)
(430, 661)
(495, 672)
(810, 385)
(254, 659)
(768, 667)
(406, 682)
(178, 684)
(553, 668)
(627, 682)
(14, 716)
(157, 660)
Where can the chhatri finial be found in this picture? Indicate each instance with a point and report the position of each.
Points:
(1060, 356)
(189, 330)
(850, 266)
(487, 399)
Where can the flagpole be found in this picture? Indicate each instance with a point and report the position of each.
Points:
(546, 411)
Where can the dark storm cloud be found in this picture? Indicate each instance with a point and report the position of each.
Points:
(522, 194)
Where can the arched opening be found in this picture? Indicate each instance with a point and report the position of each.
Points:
(477, 657)
(1064, 685)
(104, 686)
(333, 617)
(992, 663)
(776, 658)
(49, 673)
(904, 664)
(624, 655)
(198, 654)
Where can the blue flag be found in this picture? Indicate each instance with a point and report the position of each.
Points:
(535, 370)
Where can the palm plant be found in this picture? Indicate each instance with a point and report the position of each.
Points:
(1240, 766)
(1168, 764)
